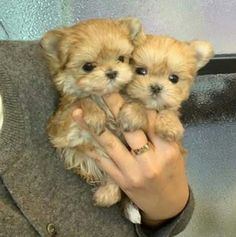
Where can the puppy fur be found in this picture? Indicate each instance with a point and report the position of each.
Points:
(164, 70)
(87, 61)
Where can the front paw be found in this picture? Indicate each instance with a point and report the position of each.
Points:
(96, 122)
(107, 195)
(169, 127)
(132, 117)
(170, 134)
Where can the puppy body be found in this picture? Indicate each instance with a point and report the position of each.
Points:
(165, 69)
(87, 61)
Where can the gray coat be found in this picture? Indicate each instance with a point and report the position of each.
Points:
(38, 197)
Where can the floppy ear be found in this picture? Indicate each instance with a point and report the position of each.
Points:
(50, 44)
(135, 29)
(204, 52)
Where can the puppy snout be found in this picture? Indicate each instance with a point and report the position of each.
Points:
(111, 74)
(155, 89)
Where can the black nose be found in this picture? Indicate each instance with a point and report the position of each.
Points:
(111, 74)
(155, 89)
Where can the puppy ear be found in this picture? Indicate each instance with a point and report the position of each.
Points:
(50, 44)
(135, 29)
(204, 52)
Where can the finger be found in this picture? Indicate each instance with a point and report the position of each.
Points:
(114, 101)
(139, 144)
(108, 166)
(135, 139)
(116, 150)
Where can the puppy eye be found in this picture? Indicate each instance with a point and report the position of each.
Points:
(121, 59)
(173, 78)
(141, 71)
(88, 67)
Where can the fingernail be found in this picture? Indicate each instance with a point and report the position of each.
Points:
(77, 114)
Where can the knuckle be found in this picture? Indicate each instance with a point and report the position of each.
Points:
(151, 174)
(135, 182)
(110, 143)
(173, 153)
(172, 159)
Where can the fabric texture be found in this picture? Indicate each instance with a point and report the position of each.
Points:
(1, 113)
(12, 222)
(41, 191)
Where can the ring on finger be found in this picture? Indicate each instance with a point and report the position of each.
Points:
(142, 149)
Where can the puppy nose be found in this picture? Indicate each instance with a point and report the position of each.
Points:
(155, 89)
(111, 74)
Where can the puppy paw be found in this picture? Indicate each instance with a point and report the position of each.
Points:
(132, 117)
(107, 195)
(96, 121)
(88, 177)
(169, 127)
(169, 135)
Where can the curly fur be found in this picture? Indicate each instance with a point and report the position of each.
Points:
(162, 57)
(107, 46)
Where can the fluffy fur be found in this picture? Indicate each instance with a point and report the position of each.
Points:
(164, 70)
(87, 61)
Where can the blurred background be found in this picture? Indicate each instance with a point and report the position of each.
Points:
(213, 20)
(212, 179)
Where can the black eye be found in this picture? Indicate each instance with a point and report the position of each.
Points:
(88, 67)
(173, 78)
(141, 71)
(121, 59)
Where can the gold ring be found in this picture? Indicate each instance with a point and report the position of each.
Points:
(141, 150)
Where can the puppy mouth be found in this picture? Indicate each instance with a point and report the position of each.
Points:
(108, 87)
(154, 95)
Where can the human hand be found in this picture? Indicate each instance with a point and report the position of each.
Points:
(154, 180)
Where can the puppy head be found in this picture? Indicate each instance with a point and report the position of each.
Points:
(92, 57)
(165, 69)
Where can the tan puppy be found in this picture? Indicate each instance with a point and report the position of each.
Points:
(164, 72)
(89, 60)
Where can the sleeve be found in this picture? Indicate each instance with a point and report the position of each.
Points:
(1, 113)
(173, 226)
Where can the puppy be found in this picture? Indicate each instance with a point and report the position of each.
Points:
(164, 70)
(87, 61)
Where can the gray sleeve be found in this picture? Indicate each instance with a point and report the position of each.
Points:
(1, 113)
(174, 226)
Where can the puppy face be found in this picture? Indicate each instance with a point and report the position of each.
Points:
(92, 58)
(165, 69)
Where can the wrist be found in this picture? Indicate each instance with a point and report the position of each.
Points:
(171, 210)
(147, 221)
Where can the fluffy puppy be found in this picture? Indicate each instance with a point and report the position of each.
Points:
(87, 61)
(165, 69)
